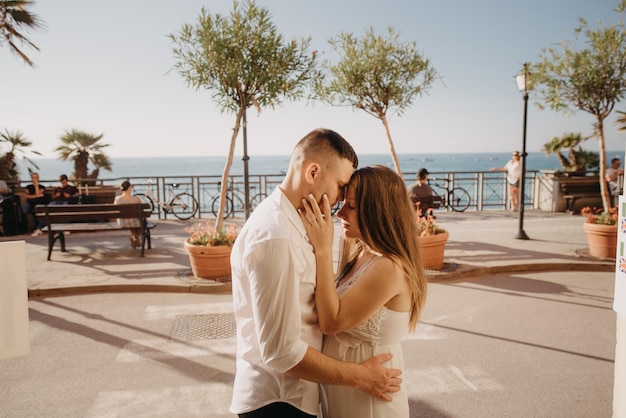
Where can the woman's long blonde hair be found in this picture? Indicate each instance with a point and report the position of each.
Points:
(386, 220)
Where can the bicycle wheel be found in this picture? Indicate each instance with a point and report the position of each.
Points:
(256, 199)
(146, 199)
(458, 199)
(184, 206)
(228, 207)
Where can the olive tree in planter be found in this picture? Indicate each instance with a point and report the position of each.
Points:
(244, 62)
(588, 75)
(376, 74)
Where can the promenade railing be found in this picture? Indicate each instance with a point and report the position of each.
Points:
(486, 190)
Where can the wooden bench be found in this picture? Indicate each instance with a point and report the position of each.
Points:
(93, 218)
(426, 203)
(574, 188)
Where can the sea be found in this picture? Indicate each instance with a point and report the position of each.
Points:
(141, 167)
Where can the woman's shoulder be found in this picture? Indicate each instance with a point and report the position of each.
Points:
(387, 267)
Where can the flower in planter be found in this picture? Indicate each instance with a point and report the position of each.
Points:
(427, 226)
(203, 233)
(598, 216)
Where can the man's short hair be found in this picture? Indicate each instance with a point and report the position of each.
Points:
(326, 141)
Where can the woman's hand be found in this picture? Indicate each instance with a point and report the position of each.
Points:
(319, 226)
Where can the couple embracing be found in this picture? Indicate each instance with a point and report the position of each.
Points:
(305, 336)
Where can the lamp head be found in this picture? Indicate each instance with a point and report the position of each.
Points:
(522, 79)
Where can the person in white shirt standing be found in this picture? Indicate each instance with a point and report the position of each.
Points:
(279, 363)
(513, 170)
(613, 174)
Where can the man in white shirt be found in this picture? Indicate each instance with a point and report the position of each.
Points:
(613, 174)
(279, 363)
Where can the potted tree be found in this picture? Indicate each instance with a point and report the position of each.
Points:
(601, 229)
(432, 239)
(209, 250)
(591, 79)
(244, 62)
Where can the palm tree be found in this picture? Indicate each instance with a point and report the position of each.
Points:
(84, 148)
(621, 120)
(14, 17)
(17, 143)
(577, 158)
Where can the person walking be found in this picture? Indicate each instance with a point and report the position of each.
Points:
(380, 288)
(278, 360)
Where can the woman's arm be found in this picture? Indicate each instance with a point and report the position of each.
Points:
(380, 283)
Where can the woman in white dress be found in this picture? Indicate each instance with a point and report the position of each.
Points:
(381, 286)
(133, 224)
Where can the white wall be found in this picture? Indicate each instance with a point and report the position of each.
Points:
(14, 335)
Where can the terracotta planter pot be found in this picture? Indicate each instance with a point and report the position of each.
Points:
(602, 239)
(432, 249)
(209, 262)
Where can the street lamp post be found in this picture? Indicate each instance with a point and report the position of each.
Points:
(522, 80)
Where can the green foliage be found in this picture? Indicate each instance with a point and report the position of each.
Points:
(243, 61)
(577, 159)
(376, 74)
(588, 76)
(599, 216)
(83, 148)
(14, 17)
(203, 233)
(17, 145)
(621, 121)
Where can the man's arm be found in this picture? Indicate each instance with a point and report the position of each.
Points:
(369, 377)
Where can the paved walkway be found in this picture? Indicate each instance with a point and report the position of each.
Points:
(511, 328)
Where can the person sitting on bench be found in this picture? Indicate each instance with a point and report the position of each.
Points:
(127, 197)
(421, 194)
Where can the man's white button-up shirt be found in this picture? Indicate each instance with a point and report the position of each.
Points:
(273, 285)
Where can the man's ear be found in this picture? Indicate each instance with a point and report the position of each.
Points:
(311, 172)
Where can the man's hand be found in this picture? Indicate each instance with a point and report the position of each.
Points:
(377, 380)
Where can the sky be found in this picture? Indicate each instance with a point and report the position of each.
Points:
(107, 67)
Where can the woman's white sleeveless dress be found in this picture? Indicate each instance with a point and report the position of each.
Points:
(382, 333)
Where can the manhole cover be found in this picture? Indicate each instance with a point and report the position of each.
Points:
(204, 327)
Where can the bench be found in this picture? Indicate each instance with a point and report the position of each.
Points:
(425, 203)
(574, 188)
(93, 218)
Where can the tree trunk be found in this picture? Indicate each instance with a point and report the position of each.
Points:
(394, 156)
(80, 165)
(604, 188)
(219, 222)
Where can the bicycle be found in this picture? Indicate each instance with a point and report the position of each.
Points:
(234, 201)
(182, 205)
(455, 198)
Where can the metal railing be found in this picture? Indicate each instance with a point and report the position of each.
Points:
(486, 190)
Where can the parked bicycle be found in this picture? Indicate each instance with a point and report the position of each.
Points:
(456, 198)
(235, 200)
(182, 205)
